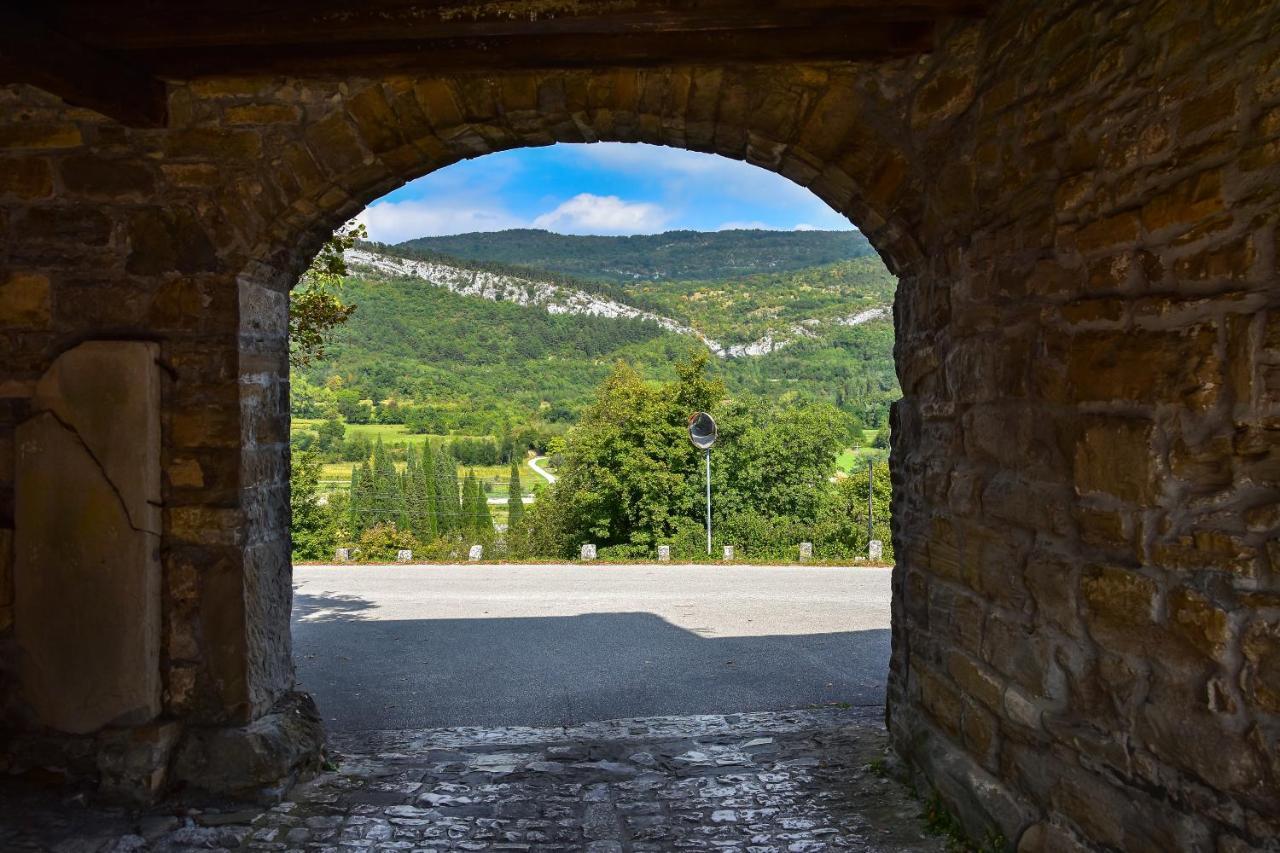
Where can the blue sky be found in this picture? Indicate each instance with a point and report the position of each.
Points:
(602, 188)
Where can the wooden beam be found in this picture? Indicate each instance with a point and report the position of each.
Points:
(876, 41)
(229, 23)
(31, 53)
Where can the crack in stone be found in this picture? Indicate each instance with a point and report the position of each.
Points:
(75, 433)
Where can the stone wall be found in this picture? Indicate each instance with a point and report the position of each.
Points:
(1081, 202)
(1087, 458)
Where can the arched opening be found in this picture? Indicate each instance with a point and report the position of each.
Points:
(474, 351)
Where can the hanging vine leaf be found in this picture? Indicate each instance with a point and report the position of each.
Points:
(316, 308)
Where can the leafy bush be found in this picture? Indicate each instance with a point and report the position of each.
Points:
(380, 543)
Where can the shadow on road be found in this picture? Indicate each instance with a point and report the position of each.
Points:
(375, 674)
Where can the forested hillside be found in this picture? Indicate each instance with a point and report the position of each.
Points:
(673, 255)
(450, 345)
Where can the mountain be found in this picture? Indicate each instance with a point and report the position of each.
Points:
(757, 306)
(485, 343)
(690, 255)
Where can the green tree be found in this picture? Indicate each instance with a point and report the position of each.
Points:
(447, 500)
(315, 303)
(313, 529)
(515, 505)
(387, 491)
(362, 498)
(419, 503)
(329, 435)
(630, 475)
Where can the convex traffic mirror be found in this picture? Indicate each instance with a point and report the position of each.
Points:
(702, 430)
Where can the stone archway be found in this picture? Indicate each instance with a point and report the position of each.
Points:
(1081, 199)
(372, 137)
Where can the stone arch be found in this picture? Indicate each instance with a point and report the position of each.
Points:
(819, 127)
(1082, 200)
(832, 131)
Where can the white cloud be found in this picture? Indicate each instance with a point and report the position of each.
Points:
(804, 226)
(642, 158)
(396, 221)
(595, 214)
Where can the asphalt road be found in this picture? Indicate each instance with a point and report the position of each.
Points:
(386, 647)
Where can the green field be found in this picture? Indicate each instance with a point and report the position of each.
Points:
(851, 458)
(337, 475)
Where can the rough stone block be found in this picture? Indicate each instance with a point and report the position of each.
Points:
(1195, 619)
(100, 177)
(244, 760)
(728, 552)
(39, 134)
(24, 301)
(1120, 597)
(404, 555)
(1261, 678)
(476, 553)
(26, 178)
(664, 553)
(806, 551)
(588, 552)
(1146, 366)
(875, 550)
(87, 569)
(1114, 456)
(342, 555)
(134, 763)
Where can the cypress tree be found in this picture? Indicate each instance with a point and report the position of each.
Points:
(388, 498)
(353, 506)
(362, 500)
(483, 518)
(427, 490)
(410, 481)
(447, 493)
(469, 504)
(515, 506)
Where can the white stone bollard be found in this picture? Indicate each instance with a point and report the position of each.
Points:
(728, 552)
(404, 555)
(875, 550)
(342, 555)
(476, 553)
(664, 553)
(588, 551)
(806, 551)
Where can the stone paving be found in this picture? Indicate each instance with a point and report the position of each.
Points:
(779, 781)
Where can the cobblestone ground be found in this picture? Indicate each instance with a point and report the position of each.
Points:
(784, 781)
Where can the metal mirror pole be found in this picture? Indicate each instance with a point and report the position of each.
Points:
(708, 501)
(870, 535)
(702, 432)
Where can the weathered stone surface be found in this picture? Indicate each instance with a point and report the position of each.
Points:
(87, 573)
(800, 780)
(245, 760)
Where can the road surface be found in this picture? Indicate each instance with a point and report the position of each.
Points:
(389, 647)
(546, 475)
